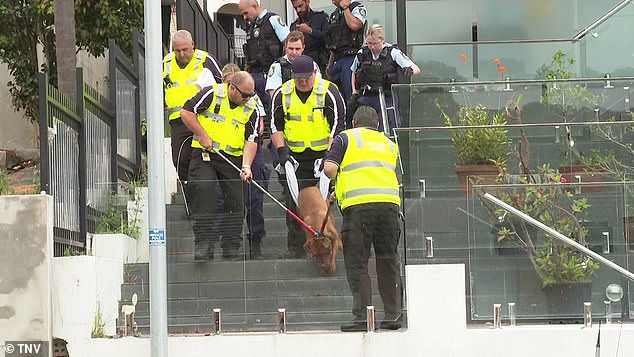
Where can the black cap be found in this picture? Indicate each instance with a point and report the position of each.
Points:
(303, 67)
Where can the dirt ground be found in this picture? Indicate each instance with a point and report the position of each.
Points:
(25, 180)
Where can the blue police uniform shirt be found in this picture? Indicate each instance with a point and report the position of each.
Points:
(274, 77)
(280, 28)
(397, 55)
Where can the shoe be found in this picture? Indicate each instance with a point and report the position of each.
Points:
(357, 326)
(201, 254)
(296, 253)
(230, 254)
(392, 324)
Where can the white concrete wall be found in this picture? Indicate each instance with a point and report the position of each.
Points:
(26, 250)
(82, 284)
(17, 131)
(437, 327)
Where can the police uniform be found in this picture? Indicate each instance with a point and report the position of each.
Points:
(315, 40)
(229, 126)
(264, 44)
(372, 72)
(308, 121)
(180, 84)
(280, 72)
(344, 44)
(368, 194)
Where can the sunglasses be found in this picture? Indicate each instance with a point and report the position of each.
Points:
(243, 94)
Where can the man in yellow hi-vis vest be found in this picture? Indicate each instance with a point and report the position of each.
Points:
(223, 117)
(308, 111)
(363, 161)
(185, 71)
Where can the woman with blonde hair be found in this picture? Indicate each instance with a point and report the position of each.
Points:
(375, 66)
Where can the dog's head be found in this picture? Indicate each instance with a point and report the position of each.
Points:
(323, 249)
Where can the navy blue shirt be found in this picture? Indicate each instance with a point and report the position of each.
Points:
(315, 43)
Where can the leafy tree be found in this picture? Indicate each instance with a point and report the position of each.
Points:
(27, 24)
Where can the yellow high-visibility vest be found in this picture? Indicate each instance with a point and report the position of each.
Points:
(367, 171)
(180, 84)
(225, 126)
(305, 125)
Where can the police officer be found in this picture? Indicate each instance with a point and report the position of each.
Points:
(312, 24)
(223, 117)
(266, 31)
(376, 66)
(185, 71)
(280, 71)
(344, 37)
(363, 162)
(308, 111)
(253, 197)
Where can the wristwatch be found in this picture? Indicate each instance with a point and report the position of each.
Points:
(344, 7)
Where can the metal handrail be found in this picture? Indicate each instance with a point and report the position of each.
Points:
(562, 238)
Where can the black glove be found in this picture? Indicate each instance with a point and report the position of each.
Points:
(283, 154)
(331, 187)
(353, 103)
(408, 71)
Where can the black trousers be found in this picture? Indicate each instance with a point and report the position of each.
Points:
(366, 225)
(209, 224)
(181, 147)
(305, 178)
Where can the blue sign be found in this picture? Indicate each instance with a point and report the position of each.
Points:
(157, 236)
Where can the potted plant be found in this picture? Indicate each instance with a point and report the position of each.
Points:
(544, 195)
(567, 102)
(481, 152)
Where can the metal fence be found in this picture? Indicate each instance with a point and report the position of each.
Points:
(87, 144)
(125, 93)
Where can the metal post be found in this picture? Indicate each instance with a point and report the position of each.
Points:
(497, 315)
(507, 85)
(156, 183)
(512, 318)
(429, 246)
(587, 314)
(217, 321)
(382, 102)
(608, 311)
(281, 320)
(370, 320)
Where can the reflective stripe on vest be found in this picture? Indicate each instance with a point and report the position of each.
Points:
(305, 125)
(362, 180)
(183, 81)
(226, 135)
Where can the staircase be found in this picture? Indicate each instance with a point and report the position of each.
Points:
(249, 292)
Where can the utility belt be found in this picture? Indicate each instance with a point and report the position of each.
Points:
(341, 54)
(369, 92)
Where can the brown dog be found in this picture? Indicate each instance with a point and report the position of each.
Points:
(323, 249)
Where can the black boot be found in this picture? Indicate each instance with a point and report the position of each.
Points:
(255, 249)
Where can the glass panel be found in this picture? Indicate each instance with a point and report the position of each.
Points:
(551, 24)
(562, 150)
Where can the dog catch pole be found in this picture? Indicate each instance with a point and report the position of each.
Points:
(323, 224)
(288, 211)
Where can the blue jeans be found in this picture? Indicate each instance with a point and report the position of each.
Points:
(254, 198)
